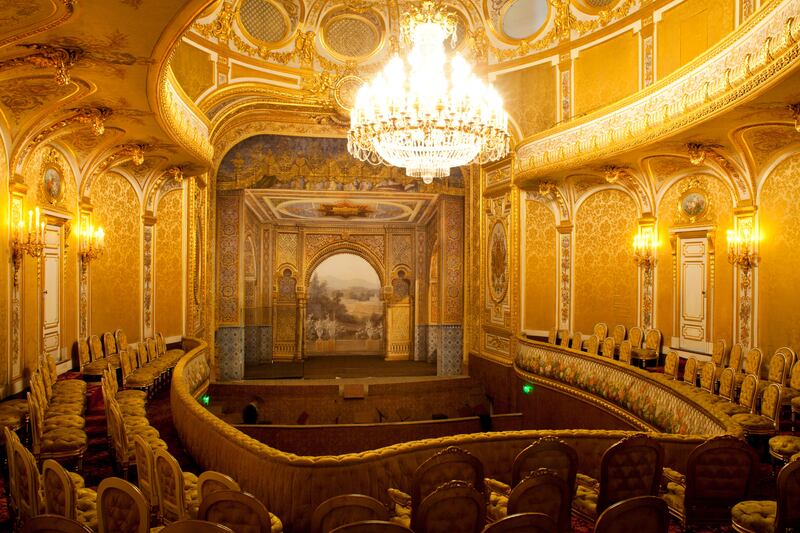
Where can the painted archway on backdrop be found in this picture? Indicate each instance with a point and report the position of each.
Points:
(344, 309)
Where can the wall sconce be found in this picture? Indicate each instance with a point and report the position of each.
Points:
(741, 247)
(644, 249)
(92, 243)
(30, 240)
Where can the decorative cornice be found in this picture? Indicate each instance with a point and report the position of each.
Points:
(45, 56)
(764, 47)
(181, 119)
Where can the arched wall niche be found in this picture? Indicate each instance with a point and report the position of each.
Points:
(345, 247)
(605, 286)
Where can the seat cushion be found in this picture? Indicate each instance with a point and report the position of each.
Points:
(674, 496)
(95, 368)
(752, 421)
(784, 446)
(275, 524)
(63, 440)
(69, 385)
(789, 394)
(674, 476)
(19, 405)
(10, 418)
(131, 395)
(752, 515)
(86, 504)
(146, 432)
(132, 410)
(644, 353)
(585, 501)
(64, 421)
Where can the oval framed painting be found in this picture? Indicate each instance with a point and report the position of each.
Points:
(693, 204)
(53, 183)
(498, 262)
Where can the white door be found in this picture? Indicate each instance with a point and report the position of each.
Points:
(51, 294)
(693, 294)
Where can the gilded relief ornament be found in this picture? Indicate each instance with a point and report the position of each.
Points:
(498, 262)
(60, 58)
(694, 203)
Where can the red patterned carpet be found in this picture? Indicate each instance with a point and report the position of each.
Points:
(97, 464)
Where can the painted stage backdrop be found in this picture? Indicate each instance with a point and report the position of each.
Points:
(344, 313)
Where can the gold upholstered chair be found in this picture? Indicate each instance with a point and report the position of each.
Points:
(88, 367)
(134, 377)
(523, 523)
(563, 338)
(642, 513)
(791, 356)
(110, 349)
(767, 421)
(177, 493)
(636, 336)
(452, 463)
(50, 523)
(121, 508)
(671, 365)
(727, 391)
(719, 473)
(577, 340)
(346, 509)
(690, 372)
(26, 477)
(56, 443)
(542, 491)
(747, 394)
(372, 526)
(736, 357)
(240, 511)
(552, 336)
(62, 497)
(772, 516)
(210, 482)
(592, 344)
(618, 333)
(791, 394)
(629, 468)
(453, 507)
(752, 364)
(719, 356)
(608, 347)
(625, 352)
(600, 330)
(10, 439)
(777, 370)
(651, 350)
(708, 375)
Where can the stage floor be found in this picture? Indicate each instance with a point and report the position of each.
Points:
(340, 366)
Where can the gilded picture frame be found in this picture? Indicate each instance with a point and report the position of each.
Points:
(52, 181)
(693, 204)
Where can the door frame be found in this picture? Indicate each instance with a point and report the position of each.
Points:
(677, 234)
(55, 217)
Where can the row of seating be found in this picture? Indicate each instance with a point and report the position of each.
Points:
(94, 355)
(627, 345)
(148, 365)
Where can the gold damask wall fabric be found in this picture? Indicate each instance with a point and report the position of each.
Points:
(720, 217)
(605, 274)
(530, 97)
(169, 264)
(600, 81)
(690, 28)
(778, 290)
(540, 267)
(115, 277)
(5, 273)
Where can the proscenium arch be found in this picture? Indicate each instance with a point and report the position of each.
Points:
(346, 247)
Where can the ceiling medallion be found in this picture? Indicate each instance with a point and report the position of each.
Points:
(428, 113)
(344, 209)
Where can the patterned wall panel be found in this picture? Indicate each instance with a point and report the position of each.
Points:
(402, 250)
(779, 225)
(228, 222)
(169, 264)
(286, 249)
(497, 261)
(540, 266)
(115, 277)
(605, 274)
(454, 261)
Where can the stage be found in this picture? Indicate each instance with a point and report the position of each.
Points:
(340, 366)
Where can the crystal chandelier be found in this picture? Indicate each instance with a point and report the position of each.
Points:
(428, 114)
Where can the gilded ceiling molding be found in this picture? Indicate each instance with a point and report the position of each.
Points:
(120, 154)
(629, 180)
(171, 175)
(549, 192)
(69, 10)
(704, 153)
(45, 56)
(763, 48)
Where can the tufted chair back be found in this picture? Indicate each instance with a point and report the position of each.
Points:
(139, 355)
(619, 333)
(144, 469)
(788, 512)
(452, 463)
(794, 376)
(49, 523)
(592, 344)
(59, 493)
(707, 375)
(635, 335)
(96, 348)
(752, 362)
(121, 508)
(169, 482)
(552, 335)
(109, 344)
(608, 347)
(652, 340)
(523, 523)
(727, 380)
(630, 468)
(346, 509)
(10, 439)
(210, 482)
(543, 491)
(690, 371)
(790, 354)
(36, 423)
(548, 452)
(771, 402)
(161, 344)
(778, 367)
(643, 513)
(625, 350)
(577, 340)
(27, 479)
(454, 507)
(119, 436)
(719, 353)
(601, 330)
(240, 511)
(122, 340)
(127, 363)
(83, 352)
(735, 360)
(152, 349)
(671, 364)
(563, 338)
(719, 473)
(747, 394)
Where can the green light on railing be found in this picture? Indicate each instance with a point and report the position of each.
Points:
(527, 388)
(205, 399)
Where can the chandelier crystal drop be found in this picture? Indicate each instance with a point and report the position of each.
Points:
(428, 114)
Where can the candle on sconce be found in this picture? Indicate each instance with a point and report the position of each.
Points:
(101, 237)
(37, 219)
(30, 221)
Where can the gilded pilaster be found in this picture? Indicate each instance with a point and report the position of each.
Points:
(566, 238)
(745, 281)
